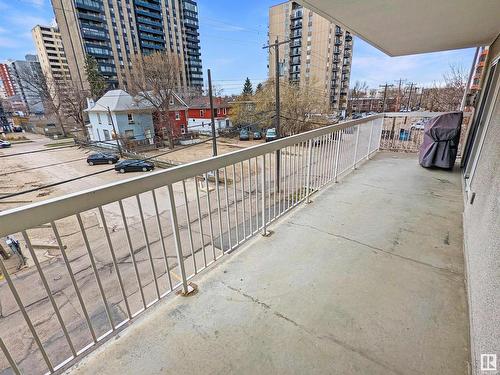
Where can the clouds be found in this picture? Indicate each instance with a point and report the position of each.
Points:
(16, 22)
(376, 68)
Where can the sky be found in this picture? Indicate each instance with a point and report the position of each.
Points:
(232, 36)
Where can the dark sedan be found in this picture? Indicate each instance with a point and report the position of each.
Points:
(102, 158)
(134, 165)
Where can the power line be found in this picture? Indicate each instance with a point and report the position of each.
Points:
(35, 151)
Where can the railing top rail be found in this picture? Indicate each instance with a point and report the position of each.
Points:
(38, 213)
(419, 114)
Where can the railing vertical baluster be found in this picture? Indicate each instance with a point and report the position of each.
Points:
(250, 195)
(236, 206)
(294, 166)
(132, 253)
(269, 216)
(263, 187)
(328, 166)
(162, 240)
(308, 173)
(381, 125)
(148, 246)
(356, 148)
(190, 233)
(273, 176)
(243, 200)
(288, 176)
(219, 211)
(177, 239)
(228, 216)
(12, 363)
(73, 281)
(279, 184)
(210, 221)
(370, 140)
(337, 152)
(200, 224)
(94, 268)
(115, 263)
(257, 195)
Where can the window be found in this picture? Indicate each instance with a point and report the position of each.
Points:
(225, 111)
(130, 118)
(171, 100)
(129, 133)
(177, 116)
(106, 135)
(218, 111)
(109, 120)
(99, 118)
(183, 129)
(202, 113)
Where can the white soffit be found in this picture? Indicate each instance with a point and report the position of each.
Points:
(404, 27)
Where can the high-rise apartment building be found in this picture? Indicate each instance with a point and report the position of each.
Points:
(113, 31)
(319, 52)
(50, 52)
(14, 75)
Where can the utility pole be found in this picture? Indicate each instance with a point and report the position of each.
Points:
(420, 99)
(408, 106)
(212, 119)
(276, 45)
(398, 101)
(116, 134)
(385, 94)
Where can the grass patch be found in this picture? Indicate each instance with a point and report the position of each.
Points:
(59, 144)
(15, 138)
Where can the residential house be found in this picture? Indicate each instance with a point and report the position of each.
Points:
(177, 115)
(199, 114)
(118, 114)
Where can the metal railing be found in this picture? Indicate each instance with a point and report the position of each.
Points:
(116, 250)
(404, 131)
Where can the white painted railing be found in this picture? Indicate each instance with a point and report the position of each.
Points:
(120, 248)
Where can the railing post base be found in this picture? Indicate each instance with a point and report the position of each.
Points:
(192, 289)
(266, 233)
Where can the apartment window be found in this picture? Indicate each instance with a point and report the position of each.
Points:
(202, 113)
(177, 116)
(130, 118)
(106, 135)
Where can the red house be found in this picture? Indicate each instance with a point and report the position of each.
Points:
(178, 115)
(199, 114)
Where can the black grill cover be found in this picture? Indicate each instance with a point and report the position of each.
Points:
(441, 136)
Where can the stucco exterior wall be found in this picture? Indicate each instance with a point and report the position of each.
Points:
(482, 243)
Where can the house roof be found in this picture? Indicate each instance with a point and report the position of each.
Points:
(404, 27)
(203, 102)
(119, 100)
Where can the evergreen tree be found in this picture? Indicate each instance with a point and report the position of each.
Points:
(247, 87)
(96, 80)
(258, 88)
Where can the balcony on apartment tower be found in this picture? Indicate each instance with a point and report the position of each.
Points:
(328, 251)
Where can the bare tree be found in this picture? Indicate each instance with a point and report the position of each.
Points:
(299, 104)
(48, 90)
(75, 102)
(154, 79)
(446, 96)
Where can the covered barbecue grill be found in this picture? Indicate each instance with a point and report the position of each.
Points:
(441, 137)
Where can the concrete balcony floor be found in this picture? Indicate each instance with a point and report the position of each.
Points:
(367, 279)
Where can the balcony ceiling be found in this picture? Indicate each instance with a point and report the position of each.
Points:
(404, 27)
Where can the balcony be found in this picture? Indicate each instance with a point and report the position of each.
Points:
(150, 30)
(345, 267)
(147, 4)
(147, 13)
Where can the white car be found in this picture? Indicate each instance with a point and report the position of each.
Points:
(4, 144)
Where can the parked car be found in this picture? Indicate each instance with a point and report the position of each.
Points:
(244, 136)
(134, 165)
(271, 135)
(102, 158)
(355, 116)
(17, 129)
(257, 135)
(419, 125)
(4, 144)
